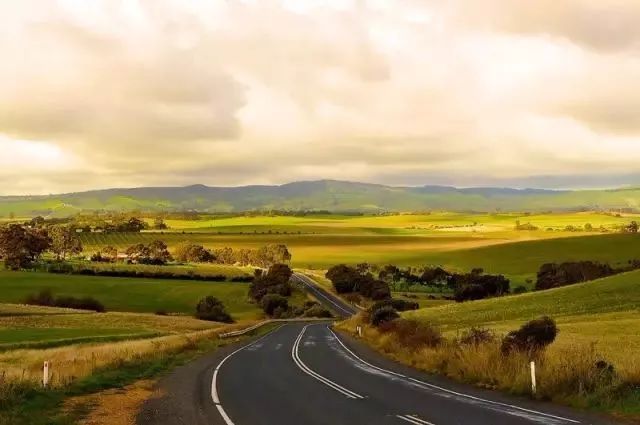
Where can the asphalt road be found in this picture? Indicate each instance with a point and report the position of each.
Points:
(305, 374)
(330, 301)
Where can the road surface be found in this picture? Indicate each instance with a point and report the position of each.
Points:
(337, 305)
(305, 374)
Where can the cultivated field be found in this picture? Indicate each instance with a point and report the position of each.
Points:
(453, 240)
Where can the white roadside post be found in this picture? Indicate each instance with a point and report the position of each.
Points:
(45, 374)
(533, 378)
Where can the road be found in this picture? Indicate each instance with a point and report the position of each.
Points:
(306, 374)
(331, 301)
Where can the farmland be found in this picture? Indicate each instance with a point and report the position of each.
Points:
(454, 240)
(130, 294)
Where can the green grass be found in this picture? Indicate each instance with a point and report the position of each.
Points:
(605, 312)
(130, 294)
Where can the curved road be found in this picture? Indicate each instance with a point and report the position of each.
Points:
(330, 300)
(305, 374)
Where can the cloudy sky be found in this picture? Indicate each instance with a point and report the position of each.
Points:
(97, 94)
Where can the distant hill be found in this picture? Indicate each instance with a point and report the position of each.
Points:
(331, 195)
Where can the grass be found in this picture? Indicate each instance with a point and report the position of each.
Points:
(597, 320)
(90, 370)
(130, 294)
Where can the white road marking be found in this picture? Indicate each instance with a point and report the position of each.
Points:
(214, 380)
(436, 387)
(413, 419)
(296, 359)
(318, 292)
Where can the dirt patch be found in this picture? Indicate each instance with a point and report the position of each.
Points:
(113, 407)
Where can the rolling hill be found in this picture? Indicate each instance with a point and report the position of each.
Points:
(331, 195)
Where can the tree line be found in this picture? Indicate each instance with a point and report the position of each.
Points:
(22, 246)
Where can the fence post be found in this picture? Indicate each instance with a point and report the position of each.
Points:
(45, 374)
(533, 378)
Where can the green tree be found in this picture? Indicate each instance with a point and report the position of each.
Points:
(20, 247)
(64, 241)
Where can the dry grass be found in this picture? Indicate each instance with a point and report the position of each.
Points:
(568, 375)
(73, 362)
(115, 406)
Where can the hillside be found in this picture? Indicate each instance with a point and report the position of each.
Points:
(614, 294)
(320, 195)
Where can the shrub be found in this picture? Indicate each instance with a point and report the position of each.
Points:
(413, 334)
(210, 308)
(532, 337)
(519, 290)
(396, 303)
(46, 298)
(270, 302)
(317, 311)
(382, 315)
(552, 275)
(477, 336)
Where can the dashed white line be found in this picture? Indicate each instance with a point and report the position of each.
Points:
(436, 387)
(214, 380)
(296, 359)
(413, 419)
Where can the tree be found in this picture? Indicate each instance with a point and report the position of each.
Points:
(271, 302)
(532, 337)
(211, 308)
(159, 224)
(192, 253)
(110, 253)
(274, 281)
(158, 253)
(20, 246)
(632, 227)
(64, 241)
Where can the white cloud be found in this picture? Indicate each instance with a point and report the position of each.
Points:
(174, 92)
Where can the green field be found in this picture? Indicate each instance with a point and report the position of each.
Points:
(605, 312)
(130, 294)
(453, 240)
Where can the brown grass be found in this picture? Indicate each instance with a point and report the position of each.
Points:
(567, 375)
(115, 406)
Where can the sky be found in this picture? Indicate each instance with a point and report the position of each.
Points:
(97, 94)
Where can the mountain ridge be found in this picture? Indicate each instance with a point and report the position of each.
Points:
(329, 195)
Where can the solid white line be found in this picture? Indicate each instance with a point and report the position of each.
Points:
(317, 291)
(214, 380)
(296, 359)
(436, 387)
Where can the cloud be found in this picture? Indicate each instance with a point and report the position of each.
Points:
(169, 92)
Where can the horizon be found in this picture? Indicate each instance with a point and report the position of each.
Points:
(629, 187)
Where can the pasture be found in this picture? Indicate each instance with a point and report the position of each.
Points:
(130, 294)
(603, 313)
(456, 241)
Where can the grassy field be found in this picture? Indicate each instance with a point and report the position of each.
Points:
(130, 294)
(604, 313)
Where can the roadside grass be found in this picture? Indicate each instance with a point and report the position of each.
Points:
(597, 321)
(96, 368)
(130, 294)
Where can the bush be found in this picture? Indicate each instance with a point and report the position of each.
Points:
(210, 308)
(413, 334)
(46, 298)
(477, 336)
(383, 315)
(317, 311)
(552, 275)
(532, 337)
(396, 303)
(519, 290)
(271, 302)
